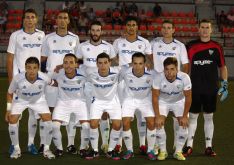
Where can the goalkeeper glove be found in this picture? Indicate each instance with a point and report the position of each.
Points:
(223, 90)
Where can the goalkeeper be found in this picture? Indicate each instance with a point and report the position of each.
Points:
(206, 58)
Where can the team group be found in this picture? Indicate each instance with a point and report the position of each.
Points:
(132, 77)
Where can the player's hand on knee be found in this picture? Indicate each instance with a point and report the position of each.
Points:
(7, 115)
(183, 121)
(159, 122)
(223, 91)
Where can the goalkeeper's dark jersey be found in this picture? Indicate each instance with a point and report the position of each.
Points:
(205, 58)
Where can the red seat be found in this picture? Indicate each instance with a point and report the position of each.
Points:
(226, 29)
(99, 13)
(143, 27)
(107, 27)
(158, 28)
(149, 13)
(232, 30)
(174, 14)
(151, 28)
(159, 20)
(182, 14)
(10, 18)
(166, 14)
(190, 14)
(117, 27)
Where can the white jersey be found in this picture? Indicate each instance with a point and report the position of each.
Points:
(27, 91)
(104, 88)
(172, 92)
(126, 49)
(162, 50)
(55, 47)
(89, 52)
(71, 89)
(24, 45)
(137, 87)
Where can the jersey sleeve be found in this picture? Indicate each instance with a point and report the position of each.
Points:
(115, 45)
(112, 52)
(148, 49)
(187, 82)
(221, 59)
(46, 78)
(12, 44)
(13, 85)
(156, 81)
(44, 47)
(183, 55)
(79, 54)
(77, 44)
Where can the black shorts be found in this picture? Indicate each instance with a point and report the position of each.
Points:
(203, 103)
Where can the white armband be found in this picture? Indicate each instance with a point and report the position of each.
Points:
(9, 106)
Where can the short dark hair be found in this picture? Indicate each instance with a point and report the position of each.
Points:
(205, 21)
(95, 23)
(103, 55)
(131, 18)
(30, 11)
(32, 60)
(169, 22)
(71, 55)
(169, 61)
(64, 11)
(139, 54)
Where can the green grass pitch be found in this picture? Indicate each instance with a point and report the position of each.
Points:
(223, 140)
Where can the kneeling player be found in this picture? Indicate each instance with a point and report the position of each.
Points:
(29, 88)
(138, 96)
(104, 80)
(71, 100)
(171, 92)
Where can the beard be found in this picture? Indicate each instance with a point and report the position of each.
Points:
(95, 38)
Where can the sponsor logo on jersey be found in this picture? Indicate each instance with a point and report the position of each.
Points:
(138, 88)
(165, 54)
(211, 51)
(103, 86)
(31, 94)
(91, 59)
(70, 89)
(31, 45)
(204, 62)
(171, 93)
(128, 51)
(62, 51)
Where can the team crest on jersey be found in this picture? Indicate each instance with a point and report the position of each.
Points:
(39, 86)
(164, 86)
(39, 38)
(88, 49)
(70, 43)
(24, 87)
(124, 45)
(139, 46)
(211, 51)
(178, 86)
(131, 81)
(54, 41)
(64, 81)
(24, 38)
(148, 81)
(174, 48)
(112, 78)
(160, 46)
(78, 81)
(97, 78)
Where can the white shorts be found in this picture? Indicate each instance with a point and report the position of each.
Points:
(39, 107)
(74, 110)
(176, 108)
(130, 106)
(112, 107)
(51, 94)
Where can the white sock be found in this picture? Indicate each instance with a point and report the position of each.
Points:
(161, 138)
(192, 128)
(176, 129)
(42, 132)
(48, 130)
(85, 129)
(14, 134)
(105, 130)
(151, 137)
(94, 135)
(127, 136)
(114, 138)
(141, 127)
(181, 137)
(32, 127)
(208, 128)
(57, 136)
(71, 132)
(120, 141)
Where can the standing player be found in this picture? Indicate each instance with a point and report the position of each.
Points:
(125, 48)
(138, 96)
(171, 92)
(23, 44)
(71, 99)
(104, 80)
(168, 46)
(205, 56)
(54, 47)
(29, 89)
(88, 51)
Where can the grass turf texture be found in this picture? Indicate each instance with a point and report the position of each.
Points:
(223, 140)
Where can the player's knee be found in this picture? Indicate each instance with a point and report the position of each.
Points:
(126, 124)
(46, 117)
(116, 125)
(13, 119)
(151, 125)
(208, 116)
(93, 124)
(105, 116)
